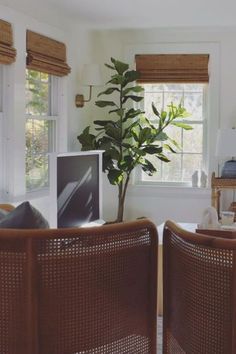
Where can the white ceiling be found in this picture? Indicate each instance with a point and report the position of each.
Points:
(136, 13)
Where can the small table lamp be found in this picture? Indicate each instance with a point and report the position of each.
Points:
(226, 147)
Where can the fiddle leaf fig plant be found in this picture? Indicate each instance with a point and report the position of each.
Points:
(127, 137)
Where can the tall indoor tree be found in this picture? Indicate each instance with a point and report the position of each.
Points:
(127, 137)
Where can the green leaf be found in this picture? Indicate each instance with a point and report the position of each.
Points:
(138, 151)
(161, 136)
(104, 103)
(109, 66)
(132, 113)
(113, 132)
(117, 80)
(128, 130)
(182, 125)
(131, 76)
(103, 123)
(128, 163)
(120, 111)
(163, 158)
(108, 91)
(148, 167)
(120, 66)
(132, 97)
(87, 140)
(163, 116)
(152, 149)
(135, 135)
(115, 154)
(169, 148)
(135, 89)
(155, 111)
(115, 176)
(144, 135)
(174, 142)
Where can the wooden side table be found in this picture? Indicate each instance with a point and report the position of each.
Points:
(217, 185)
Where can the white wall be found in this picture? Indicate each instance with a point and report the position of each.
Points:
(165, 203)
(78, 52)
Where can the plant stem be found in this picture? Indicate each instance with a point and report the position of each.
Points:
(121, 199)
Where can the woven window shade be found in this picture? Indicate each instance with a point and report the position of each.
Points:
(178, 68)
(46, 55)
(7, 52)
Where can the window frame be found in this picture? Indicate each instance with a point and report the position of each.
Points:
(137, 177)
(54, 131)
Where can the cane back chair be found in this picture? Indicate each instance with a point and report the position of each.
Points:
(199, 292)
(79, 291)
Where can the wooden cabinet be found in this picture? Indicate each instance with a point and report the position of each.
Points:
(217, 185)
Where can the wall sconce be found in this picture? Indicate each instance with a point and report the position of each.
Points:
(91, 76)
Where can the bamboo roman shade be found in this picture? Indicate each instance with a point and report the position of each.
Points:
(7, 52)
(177, 68)
(46, 55)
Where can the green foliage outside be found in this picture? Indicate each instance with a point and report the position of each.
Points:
(128, 137)
(37, 130)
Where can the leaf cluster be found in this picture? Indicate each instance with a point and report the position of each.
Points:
(128, 138)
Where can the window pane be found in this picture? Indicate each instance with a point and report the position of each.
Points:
(192, 139)
(40, 130)
(172, 169)
(191, 163)
(38, 136)
(152, 97)
(175, 133)
(172, 97)
(37, 93)
(193, 104)
(36, 171)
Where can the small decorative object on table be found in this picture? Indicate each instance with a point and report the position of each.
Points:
(227, 217)
(195, 179)
(203, 179)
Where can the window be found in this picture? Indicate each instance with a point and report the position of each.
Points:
(41, 94)
(175, 78)
(190, 156)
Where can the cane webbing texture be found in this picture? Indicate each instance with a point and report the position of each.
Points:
(198, 295)
(46, 55)
(12, 299)
(7, 52)
(96, 290)
(177, 68)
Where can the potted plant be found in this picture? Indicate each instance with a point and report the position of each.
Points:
(128, 137)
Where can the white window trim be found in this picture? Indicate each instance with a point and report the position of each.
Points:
(213, 108)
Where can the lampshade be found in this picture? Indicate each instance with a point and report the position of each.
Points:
(226, 143)
(91, 75)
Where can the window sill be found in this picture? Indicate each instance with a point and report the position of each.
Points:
(154, 190)
(44, 193)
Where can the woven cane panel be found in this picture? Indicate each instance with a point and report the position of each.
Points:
(12, 302)
(200, 306)
(94, 294)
